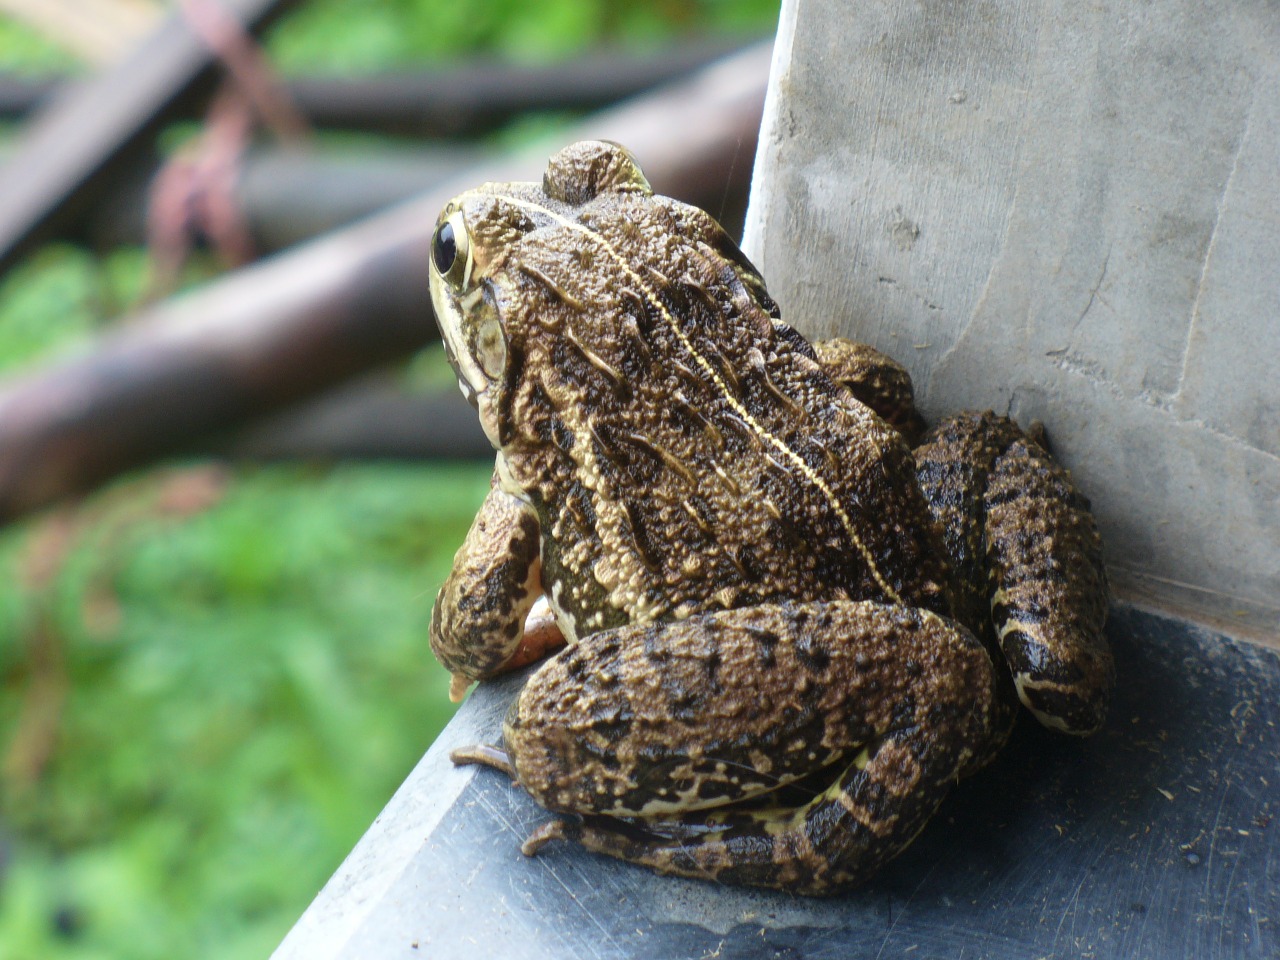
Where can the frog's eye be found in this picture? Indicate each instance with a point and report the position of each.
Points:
(451, 250)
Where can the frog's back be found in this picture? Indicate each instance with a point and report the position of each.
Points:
(685, 448)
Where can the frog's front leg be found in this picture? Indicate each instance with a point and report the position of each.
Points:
(478, 622)
(638, 726)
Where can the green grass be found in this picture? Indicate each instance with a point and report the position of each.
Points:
(24, 51)
(242, 690)
(371, 35)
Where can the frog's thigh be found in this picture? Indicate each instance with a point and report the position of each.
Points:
(478, 620)
(658, 720)
(1043, 558)
(874, 378)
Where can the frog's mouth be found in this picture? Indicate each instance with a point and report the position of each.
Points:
(465, 384)
(450, 318)
(458, 338)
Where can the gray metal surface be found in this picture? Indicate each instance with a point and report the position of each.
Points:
(1070, 212)
(1153, 839)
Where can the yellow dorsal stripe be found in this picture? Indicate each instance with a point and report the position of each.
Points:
(707, 367)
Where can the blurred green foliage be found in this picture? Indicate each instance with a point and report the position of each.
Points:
(24, 51)
(214, 680)
(235, 673)
(371, 35)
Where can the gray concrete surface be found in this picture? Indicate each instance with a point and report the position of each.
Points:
(1068, 212)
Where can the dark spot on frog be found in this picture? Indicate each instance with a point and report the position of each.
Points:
(611, 729)
(1078, 711)
(710, 789)
(1031, 658)
(1030, 612)
(575, 666)
(560, 435)
(578, 501)
(706, 515)
(812, 654)
(745, 560)
(656, 653)
(711, 666)
(686, 706)
(645, 547)
(766, 647)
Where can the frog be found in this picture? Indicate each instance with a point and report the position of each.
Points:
(792, 615)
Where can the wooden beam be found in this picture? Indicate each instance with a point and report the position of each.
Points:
(473, 98)
(289, 196)
(100, 31)
(86, 136)
(373, 418)
(463, 100)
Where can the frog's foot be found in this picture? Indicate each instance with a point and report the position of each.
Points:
(637, 727)
(484, 755)
(874, 808)
(1026, 546)
(542, 636)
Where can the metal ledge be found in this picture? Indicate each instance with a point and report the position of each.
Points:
(1153, 839)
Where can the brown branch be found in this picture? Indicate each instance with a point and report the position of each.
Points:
(291, 326)
(463, 100)
(87, 136)
(371, 418)
(287, 196)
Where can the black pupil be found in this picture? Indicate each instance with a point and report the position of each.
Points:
(444, 249)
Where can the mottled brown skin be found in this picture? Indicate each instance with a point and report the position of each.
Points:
(477, 623)
(875, 379)
(1027, 549)
(775, 674)
(888, 699)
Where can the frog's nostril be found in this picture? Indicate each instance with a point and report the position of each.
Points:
(444, 247)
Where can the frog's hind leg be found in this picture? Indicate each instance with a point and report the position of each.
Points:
(1026, 547)
(635, 728)
(876, 807)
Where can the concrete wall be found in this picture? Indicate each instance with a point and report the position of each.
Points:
(1063, 211)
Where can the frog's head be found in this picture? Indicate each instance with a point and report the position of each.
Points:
(483, 262)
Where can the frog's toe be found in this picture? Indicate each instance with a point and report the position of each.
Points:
(548, 832)
(484, 755)
(459, 684)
